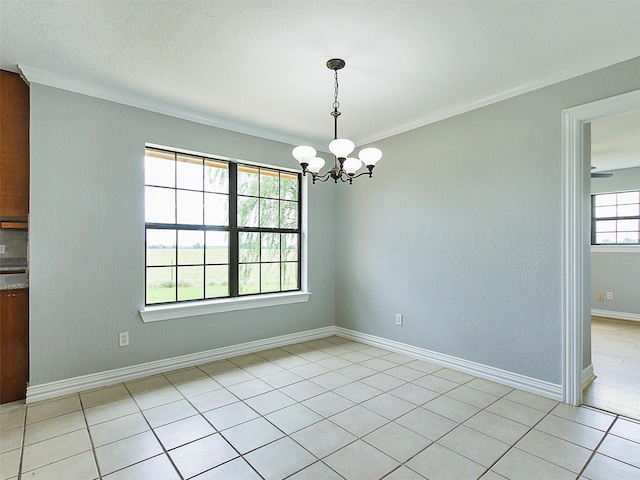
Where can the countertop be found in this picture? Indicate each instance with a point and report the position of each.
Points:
(13, 281)
(13, 274)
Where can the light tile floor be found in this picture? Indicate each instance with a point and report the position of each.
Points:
(323, 409)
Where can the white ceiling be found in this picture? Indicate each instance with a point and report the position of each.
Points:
(615, 142)
(258, 66)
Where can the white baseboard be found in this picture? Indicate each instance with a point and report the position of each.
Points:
(635, 317)
(46, 391)
(50, 390)
(528, 384)
(588, 375)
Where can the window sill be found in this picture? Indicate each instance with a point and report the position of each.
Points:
(192, 309)
(615, 248)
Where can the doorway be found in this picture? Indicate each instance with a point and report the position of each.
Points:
(615, 267)
(576, 304)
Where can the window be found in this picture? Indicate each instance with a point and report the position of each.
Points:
(615, 218)
(218, 229)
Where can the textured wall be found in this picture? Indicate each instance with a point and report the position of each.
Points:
(460, 231)
(87, 239)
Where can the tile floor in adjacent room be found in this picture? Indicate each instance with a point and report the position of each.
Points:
(324, 409)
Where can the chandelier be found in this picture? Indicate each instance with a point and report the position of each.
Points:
(345, 168)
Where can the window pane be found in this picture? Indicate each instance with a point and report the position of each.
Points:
(288, 186)
(216, 209)
(159, 205)
(606, 226)
(248, 180)
(628, 237)
(629, 197)
(248, 211)
(189, 207)
(159, 168)
(249, 246)
(627, 225)
(161, 286)
(288, 215)
(190, 283)
(217, 247)
(605, 212)
(216, 281)
(629, 210)
(270, 277)
(270, 251)
(249, 281)
(190, 247)
(269, 183)
(189, 172)
(289, 247)
(161, 247)
(606, 237)
(268, 213)
(609, 199)
(216, 176)
(290, 276)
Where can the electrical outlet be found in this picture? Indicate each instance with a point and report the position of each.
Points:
(123, 338)
(399, 319)
(609, 295)
(601, 297)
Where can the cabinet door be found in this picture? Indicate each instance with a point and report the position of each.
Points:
(14, 146)
(14, 344)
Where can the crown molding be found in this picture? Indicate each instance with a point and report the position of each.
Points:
(629, 52)
(42, 77)
(35, 75)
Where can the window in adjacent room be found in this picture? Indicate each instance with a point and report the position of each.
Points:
(615, 218)
(216, 228)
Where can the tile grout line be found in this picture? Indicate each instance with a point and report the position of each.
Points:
(593, 453)
(93, 448)
(23, 440)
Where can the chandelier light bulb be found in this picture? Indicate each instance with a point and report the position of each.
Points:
(304, 154)
(370, 156)
(341, 147)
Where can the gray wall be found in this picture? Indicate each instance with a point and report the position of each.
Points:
(87, 240)
(616, 271)
(619, 273)
(460, 231)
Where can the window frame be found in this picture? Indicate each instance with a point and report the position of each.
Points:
(616, 218)
(234, 300)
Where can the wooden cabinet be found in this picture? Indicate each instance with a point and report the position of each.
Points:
(14, 146)
(14, 344)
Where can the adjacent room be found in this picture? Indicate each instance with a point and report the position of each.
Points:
(253, 239)
(615, 265)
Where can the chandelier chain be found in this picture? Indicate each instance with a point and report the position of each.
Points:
(336, 104)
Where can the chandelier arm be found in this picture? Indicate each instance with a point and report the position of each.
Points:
(321, 178)
(369, 173)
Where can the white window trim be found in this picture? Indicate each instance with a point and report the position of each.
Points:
(615, 248)
(158, 313)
